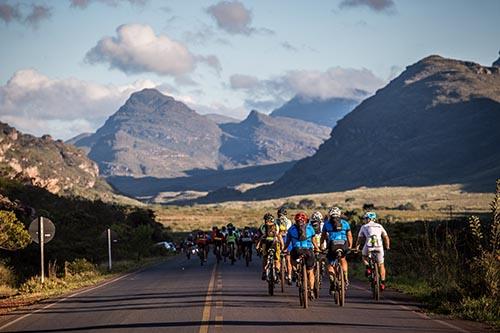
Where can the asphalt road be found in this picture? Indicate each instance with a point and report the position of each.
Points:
(182, 296)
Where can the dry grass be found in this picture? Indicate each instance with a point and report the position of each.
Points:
(436, 201)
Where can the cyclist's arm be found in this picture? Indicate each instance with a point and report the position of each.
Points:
(349, 239)
(361, 239)
(387, 241)
(323, 237)
(315, 243)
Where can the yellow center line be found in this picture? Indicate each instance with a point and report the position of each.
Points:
(208, 300)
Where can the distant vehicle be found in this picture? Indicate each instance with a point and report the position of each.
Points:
(170, 246)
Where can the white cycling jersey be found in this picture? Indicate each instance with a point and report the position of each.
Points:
(373, 233)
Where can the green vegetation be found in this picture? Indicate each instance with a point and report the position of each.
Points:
(13, 234)
(451, 266)
(79, 238)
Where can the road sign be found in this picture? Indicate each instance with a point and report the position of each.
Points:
(49, 230)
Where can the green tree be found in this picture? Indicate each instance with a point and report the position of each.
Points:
(13, 234)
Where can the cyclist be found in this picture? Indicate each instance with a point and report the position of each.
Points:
(246, 241)
(337, 232)
(317, 223)
(217, 240)
(202, 242)
(301, 236)
(284, 224)
(270, 235)
(231, 242)
(373, 235)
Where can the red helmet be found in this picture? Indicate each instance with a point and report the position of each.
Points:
(301, 217)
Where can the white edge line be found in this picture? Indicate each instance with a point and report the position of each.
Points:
(70, 296)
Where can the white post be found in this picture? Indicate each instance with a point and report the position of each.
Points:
(110, 264)
(41, 238)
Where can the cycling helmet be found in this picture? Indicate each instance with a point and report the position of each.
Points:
(214, 228)
(301, 217)
(372, 216)
(282, 211)
(317, 217)
(230, 225)
(268, 217)
(334, 212)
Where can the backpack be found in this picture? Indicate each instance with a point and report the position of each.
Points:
(302, 229)
(270, 229)
(337, 225)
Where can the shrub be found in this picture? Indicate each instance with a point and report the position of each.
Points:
(407, 206)
(80, 266)
(368, 206)
(7, 276)
(290, 205)
(350, 199)
(33, 285)
(306, 204)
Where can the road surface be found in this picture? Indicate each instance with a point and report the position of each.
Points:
(182, 296)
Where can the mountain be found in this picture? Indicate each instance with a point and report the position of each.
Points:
(155, 135)
(261, 139)
(497, 63)
(43, 162)
(221, 119)
(325, 112)
(437, 123)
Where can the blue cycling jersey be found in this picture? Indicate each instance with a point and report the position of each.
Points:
(333, 234)
(293, 234)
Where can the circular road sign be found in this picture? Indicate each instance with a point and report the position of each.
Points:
(49, 230)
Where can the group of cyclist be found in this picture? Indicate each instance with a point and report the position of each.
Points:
(227, 241)
(307, 237)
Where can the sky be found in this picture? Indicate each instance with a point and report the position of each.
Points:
(67, 65)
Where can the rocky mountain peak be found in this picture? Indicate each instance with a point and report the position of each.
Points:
(497, 62)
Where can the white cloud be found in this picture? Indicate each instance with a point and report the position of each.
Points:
(334, 82)
(37, 104)
(232, 17)
(137, 49)
(82, 4)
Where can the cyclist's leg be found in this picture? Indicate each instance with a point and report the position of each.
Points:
(310, 261)
(345, 267)
(381, 265)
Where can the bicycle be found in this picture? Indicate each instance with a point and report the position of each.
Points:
(201, 254)
(232, 258)
(374, 274)
(339, 282)
(248, 254)
(283, 271)
(217, 249)
(271, 275)
(302, 281)
(319, 272)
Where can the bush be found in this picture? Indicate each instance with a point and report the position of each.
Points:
(350, 199)
(80, 266)
(306, 204)
(7, 276)
(33, 285)
(289, 205)
(368, 206)
(407, 206)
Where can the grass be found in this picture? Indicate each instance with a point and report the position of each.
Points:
(431, 202)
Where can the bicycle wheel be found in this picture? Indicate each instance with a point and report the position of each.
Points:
(317, 279)
(282, 273)
(305, 285)
(376, 283)
(247, 257)
(270, 280)
(301, 288)
(341, 285)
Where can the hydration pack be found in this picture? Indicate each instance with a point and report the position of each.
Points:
(337, 225)
(302, 229)
(270, 229)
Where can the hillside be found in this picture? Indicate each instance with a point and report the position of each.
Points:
(325, 112)
(437, 123)
(46, 163)
(156, 136)
(260, 140)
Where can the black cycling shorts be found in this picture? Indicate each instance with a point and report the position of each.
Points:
(308, 256)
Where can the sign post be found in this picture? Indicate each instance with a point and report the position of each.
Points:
(41, 241)
(110, 263)
(42, 231)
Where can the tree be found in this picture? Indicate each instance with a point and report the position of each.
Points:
(13, 234)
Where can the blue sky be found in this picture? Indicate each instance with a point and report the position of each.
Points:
(67, 65)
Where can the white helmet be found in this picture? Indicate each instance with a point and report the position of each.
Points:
(317, 216)
(334, 212)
